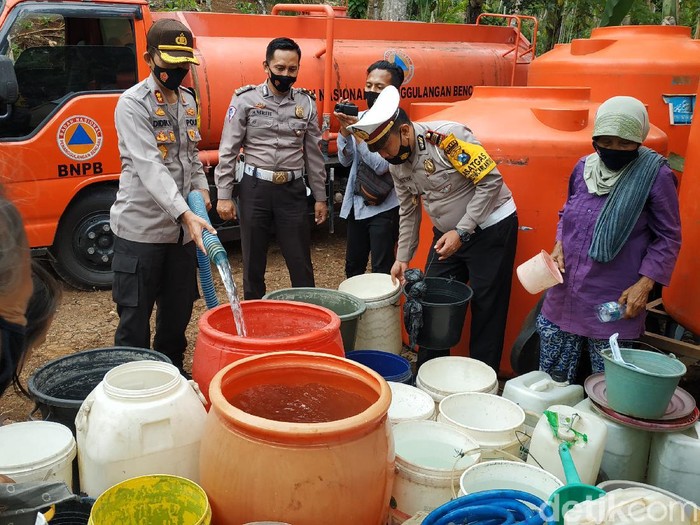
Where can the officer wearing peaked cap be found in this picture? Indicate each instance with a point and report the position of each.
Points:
(154, 256)
(277, 127)
(474, 216)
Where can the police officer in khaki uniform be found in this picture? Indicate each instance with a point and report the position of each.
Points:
(277, 127)
(154, 256)
(472, 210)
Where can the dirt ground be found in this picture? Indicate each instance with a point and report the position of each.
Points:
(87, 320)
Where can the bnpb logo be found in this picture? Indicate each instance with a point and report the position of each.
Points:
(401, 59)
(79, 137)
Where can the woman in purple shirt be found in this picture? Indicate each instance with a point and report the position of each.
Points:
(618, 234)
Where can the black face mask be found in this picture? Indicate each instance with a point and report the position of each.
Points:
(616, 159)
(170, 78)
(12, 345)
(282, 83)
(371, 98)
(401, 156)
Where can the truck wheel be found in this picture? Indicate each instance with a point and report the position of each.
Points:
(84, 244)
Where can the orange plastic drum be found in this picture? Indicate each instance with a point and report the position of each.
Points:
(256, 468)
(272, 326)
(659, 65)
(536, 136)
(681, 297)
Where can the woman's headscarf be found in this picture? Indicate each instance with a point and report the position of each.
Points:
(624, 117)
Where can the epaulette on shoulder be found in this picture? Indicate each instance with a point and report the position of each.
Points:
(307, 92)
(244, 89)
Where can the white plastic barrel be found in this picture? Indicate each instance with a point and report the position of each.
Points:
(490, 420)
(572, 425)
(37, 451)
(379, 328)
(509, 475)
(429, 463)
(632, 506)
(444, 376)
(674, 462)
(409, 403)
(626, 449)
(143, 418)
(535, 391)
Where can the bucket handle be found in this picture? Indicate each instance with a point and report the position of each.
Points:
(36, 408)
(195, 386)
(645, 344)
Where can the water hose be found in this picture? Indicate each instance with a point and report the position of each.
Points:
(215, 251)
(491, 507)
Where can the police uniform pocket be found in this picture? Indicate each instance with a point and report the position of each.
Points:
(125, 287)
(260, 122)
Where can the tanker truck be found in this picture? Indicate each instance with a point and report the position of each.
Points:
(63, 66)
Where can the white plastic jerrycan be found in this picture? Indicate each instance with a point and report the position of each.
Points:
(674, 463)
(626, 450)
(143, 418)
(586, 433)
(535, 391)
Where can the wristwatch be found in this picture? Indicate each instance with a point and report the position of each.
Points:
(464, 235)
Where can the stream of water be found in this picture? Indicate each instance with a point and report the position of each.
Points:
(232, 293)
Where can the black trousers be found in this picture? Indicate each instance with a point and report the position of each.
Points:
(485, 262)
(376, 235)
(154, 274)
(265, 208)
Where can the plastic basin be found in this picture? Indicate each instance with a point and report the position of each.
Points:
(348, 307)
(390, 366)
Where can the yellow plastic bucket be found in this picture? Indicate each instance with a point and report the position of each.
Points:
(152, 499)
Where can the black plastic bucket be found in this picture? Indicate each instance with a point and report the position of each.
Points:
(60, 386)
(444, 309)
(76, 512)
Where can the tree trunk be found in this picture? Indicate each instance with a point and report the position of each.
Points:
(473, 10)
(394, 9)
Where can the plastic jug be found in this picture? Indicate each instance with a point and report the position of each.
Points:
(562, 423)
(626, 450)
(674, 462)
(535, 391)
(143, 418)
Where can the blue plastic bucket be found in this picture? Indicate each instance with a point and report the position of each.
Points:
(391, 367)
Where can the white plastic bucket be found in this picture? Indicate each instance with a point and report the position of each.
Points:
(428, 466)
(509, 475)
(379, 328)
(444, 376)
(144, 418)
(409, 403)
(37, 451)
(490, 420)
(539, 273)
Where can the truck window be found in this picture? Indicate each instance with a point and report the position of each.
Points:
(60, 54)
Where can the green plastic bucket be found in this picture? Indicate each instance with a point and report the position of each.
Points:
(348, 307)
(646, 394)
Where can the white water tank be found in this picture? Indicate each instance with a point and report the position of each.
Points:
(143, 418)
(537, 390)
(586, 433)
(379, 328)
(626, 449)
(674, 462)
